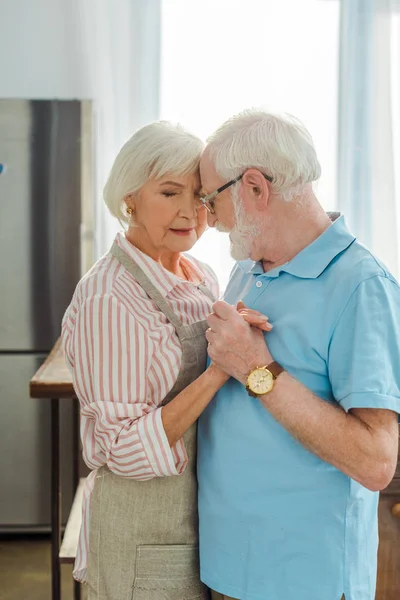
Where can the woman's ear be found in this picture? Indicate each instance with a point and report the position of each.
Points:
(130, 203)
(256, 188)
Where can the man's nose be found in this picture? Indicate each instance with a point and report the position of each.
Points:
(211, 219)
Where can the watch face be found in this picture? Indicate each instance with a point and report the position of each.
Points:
(260, 381)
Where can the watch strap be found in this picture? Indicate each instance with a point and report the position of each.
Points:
(275, 368)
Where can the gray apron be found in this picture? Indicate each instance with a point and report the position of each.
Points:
(143, 535)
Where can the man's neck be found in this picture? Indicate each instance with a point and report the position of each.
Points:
(298, 224)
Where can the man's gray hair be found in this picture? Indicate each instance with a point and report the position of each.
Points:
(153, 151)
(278, 145)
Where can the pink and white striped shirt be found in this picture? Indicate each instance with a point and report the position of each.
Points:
(125, 357)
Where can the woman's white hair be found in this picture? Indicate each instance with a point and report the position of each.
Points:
(279, 145)
(153, 151)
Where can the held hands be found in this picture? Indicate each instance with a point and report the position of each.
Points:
(235, 338)
(253, 317)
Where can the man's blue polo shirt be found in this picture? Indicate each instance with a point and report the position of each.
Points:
(277, 522)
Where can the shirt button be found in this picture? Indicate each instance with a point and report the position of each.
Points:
(259, 284)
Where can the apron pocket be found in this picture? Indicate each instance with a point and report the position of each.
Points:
(168, 572)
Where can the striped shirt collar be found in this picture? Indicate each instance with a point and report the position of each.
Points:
(163, 280)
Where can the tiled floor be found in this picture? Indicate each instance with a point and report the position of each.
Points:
(25, 570)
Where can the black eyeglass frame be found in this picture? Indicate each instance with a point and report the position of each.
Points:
(208, 201)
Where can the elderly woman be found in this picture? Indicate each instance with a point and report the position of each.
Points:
(134, 340)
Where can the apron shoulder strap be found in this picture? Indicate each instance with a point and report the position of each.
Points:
(133, 268)
(207, 292)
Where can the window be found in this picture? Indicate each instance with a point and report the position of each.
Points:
(221, 56)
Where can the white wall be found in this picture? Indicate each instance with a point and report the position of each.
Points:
(41, 53)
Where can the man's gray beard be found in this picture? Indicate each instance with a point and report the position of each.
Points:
(221, 228)
(244, 233)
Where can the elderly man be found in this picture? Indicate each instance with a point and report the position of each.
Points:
(296, 446)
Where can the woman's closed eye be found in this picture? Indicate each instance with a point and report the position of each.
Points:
(169, 194)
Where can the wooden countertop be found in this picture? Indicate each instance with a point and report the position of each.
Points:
(52, 379)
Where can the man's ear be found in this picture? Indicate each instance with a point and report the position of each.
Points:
(255, 188)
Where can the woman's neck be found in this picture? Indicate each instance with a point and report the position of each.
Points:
(171, 261)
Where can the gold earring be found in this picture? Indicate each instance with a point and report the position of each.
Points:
(129, 210)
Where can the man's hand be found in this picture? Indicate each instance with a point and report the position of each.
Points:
(233, 344)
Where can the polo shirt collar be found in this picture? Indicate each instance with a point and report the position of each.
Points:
(314, 258)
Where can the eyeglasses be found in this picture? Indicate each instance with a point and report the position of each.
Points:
(209, 200)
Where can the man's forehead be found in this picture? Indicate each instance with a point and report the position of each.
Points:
(208, 175)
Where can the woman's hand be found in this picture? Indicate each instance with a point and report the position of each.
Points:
(253, 317)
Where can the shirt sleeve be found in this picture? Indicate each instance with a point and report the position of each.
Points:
(111, 358)
(364, 352)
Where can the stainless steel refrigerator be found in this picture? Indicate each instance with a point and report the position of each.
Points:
(45, 200)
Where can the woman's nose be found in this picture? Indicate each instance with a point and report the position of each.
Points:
(190, 206)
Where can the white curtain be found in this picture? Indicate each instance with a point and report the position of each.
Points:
(121, 61)
(369, 123)
(221, 56)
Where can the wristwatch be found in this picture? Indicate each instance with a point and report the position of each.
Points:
(261, 380)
